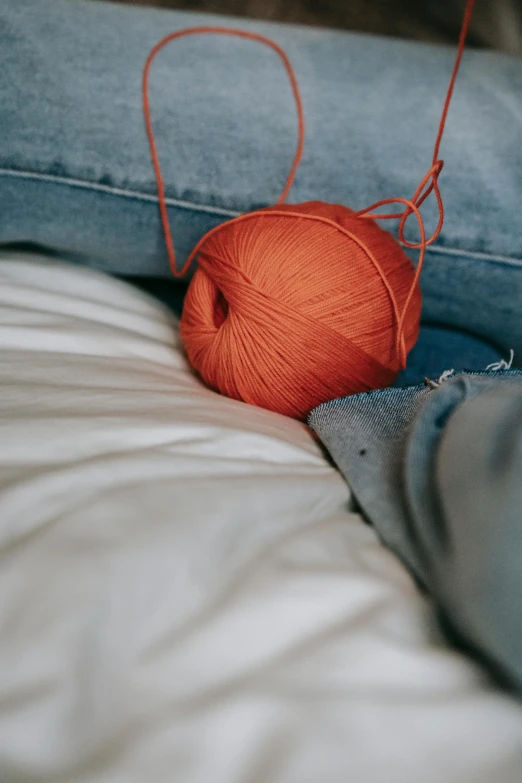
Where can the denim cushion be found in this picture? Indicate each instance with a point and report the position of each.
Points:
(75, 169)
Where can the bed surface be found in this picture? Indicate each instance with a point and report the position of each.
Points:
(185, 594)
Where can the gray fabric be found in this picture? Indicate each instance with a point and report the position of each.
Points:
(478, 476)
(438, 471)
(366, 435)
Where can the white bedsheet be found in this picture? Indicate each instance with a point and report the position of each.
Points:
(184, 594)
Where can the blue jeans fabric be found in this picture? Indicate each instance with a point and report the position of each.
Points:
(75, 169)
(438, 471)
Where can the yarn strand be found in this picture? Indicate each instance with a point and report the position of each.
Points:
(429, 184)
(150, 133)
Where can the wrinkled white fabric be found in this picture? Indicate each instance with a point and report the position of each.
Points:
(184, 594)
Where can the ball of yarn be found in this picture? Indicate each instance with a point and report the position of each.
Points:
(287, 309)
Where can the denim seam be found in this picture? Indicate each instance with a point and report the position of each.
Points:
(123, 192)
(480, 256)
(222, 211)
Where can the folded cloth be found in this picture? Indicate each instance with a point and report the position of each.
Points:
(437, 469)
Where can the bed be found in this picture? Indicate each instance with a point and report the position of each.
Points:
(187, 591)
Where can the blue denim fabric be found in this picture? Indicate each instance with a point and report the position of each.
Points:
(445, 494)
(477, 576)
(75, 169)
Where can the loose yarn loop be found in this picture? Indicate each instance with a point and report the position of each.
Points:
(294, 305)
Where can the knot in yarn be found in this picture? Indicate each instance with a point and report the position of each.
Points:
(289, 307)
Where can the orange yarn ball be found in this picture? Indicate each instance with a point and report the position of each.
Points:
(287, 310)
(292, 306)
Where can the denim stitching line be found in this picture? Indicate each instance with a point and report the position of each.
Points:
(86, 185)
(455, 251)
(140, 196)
